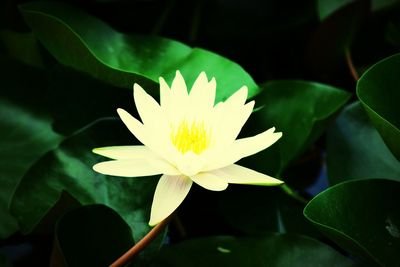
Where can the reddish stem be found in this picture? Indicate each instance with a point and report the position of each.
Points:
(142, 244)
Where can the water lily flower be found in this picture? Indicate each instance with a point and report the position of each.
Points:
(187, 139)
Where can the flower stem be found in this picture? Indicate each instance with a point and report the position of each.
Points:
(288, 190)
(142, 244)
(350, 64)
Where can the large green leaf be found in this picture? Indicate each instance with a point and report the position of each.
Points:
(75, 95)
(272, 250)
(93, 235)
(362, 216)
(378, 91)
(69, 168)
(261, 210)
(25, 131)
(87, 44)
(355, 150)
(300, 110)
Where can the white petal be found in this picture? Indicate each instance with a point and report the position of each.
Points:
(210, 181)
(242, 148)
(136, 128)
(165, 92)
(135, 167)
(229, 127)
(252, 145)
(199, 84)
(202, 94)
(190, 164)
(148, 108)
(155, 140)
(126, 152)
(178, 87)
(236, 174)
(170, 192)
(238, 98)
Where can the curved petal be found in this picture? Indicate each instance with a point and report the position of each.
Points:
(238, 98)
(169, 194)
(135, 167)
(148, 108)
(210, 181)
(242, 148)
(236, 174)
(229, 127)
(190, 164)
(136, 128)
(202, 93)
(165, 92)
(126, 152)
(251, 145)
(150, 138)
(178, 88)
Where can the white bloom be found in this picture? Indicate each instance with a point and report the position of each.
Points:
(187, 139)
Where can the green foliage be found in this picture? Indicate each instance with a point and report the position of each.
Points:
(355, 150)
(267, 250)
(301, 110)
(383, 108)
(81, 239)
(362, 217)
(30, 134)
(66, 69)
(69, 168)
(90, 45)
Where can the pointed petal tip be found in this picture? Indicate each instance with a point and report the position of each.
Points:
(136, 86)
(213, 82)
(96, 150)
(244, 89)
(252, 103)
(96, 168)
(120, 111)
(153, 223)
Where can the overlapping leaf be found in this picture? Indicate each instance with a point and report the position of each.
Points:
(69, 168)
(378, 91)
(363, 217)
(269, 250)
(92, 235)
(299, 109)
(25, 129)
(355, 150)
(87, 44)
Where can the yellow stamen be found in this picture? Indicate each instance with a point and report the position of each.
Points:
(190, 137)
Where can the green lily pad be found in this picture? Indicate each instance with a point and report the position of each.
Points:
(25, 138)
(301, 111)
(92, 235)
(272, 250)
(69, 168)
(26, 133)
(355, 150)
(363, 217)
(85, 43)
(378, 91)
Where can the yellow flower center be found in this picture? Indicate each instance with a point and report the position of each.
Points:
(190, 137)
